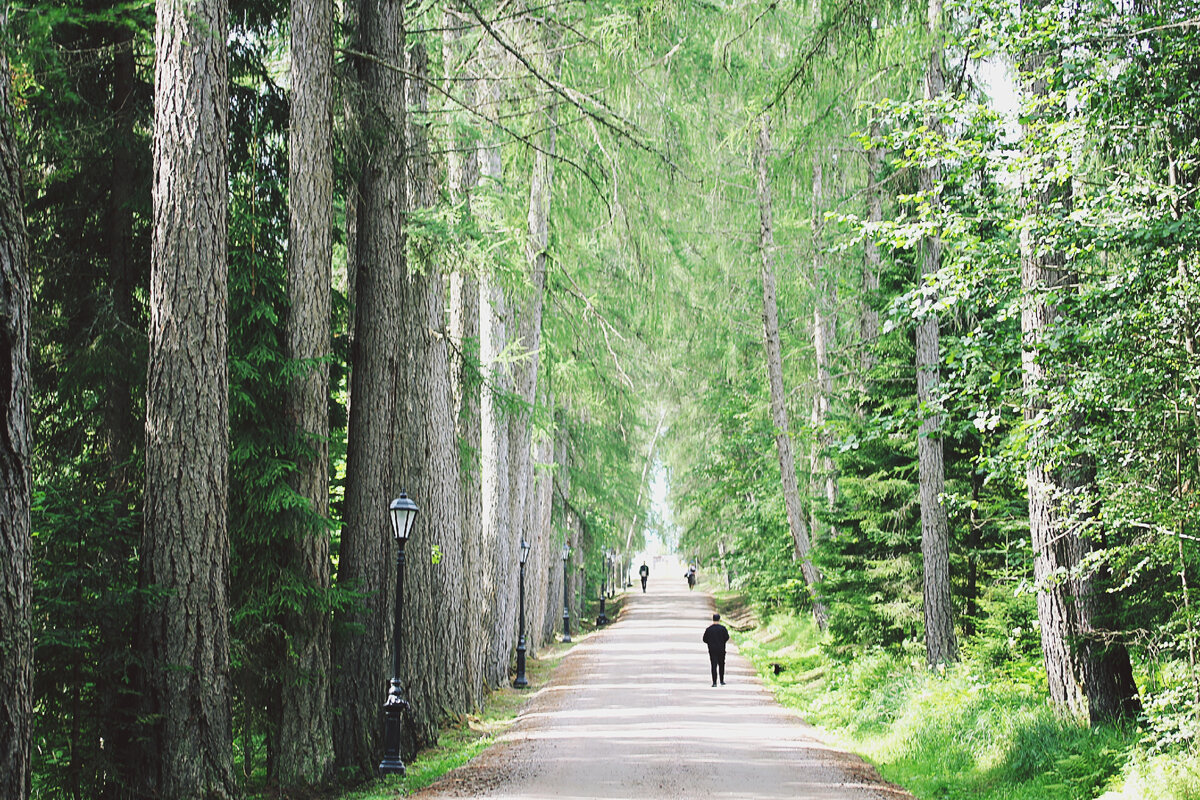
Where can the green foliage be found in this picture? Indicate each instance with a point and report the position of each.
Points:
(968, 732)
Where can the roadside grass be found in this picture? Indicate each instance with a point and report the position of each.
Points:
(967, 732)
(466, 737)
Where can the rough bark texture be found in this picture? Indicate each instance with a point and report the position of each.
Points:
(16, 578)
(305, 738)
(824, 474)
(779, 414)
(362, 635)
(868, 320)
(1088, 677)
(434, 667)
(183, 627)
(530, 450)
(499, 590)
(463, 177)
(941, 645)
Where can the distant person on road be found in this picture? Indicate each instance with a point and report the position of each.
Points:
(644, 572)
(715, 636)
(691, 576)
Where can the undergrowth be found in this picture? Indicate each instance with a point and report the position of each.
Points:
(968, 731)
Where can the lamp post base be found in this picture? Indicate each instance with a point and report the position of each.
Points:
(393, 718)
(520, 682)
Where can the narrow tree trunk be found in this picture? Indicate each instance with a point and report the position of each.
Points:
(868, 320)
(824, 477)
(1087, 677)
(779, 415)
(305, 726)
(463, 176)
(184, 627)
(527, 307)
(500, 577)
(941, 645)
(16, 575)
(362, 634)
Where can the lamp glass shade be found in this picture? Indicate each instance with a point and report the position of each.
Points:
(524, 551)
(404, 514)
(566, 551)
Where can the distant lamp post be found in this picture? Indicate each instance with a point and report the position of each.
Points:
(582, 593)
(603, 618)
(403, 512)
(520, 682)
(566, 554)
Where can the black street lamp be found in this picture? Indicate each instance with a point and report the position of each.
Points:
(403, 512)
(566, 554)
(603, 618)
(520, 682)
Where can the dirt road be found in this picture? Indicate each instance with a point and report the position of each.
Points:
(630, 713)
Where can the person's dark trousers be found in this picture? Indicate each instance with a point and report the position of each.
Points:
(643, 584)
(717, 662)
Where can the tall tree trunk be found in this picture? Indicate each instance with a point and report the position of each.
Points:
(16, 575)
(434, 642)
(941, 645)
(824, 476)
(868, 320)
(361, 634)
(499, 535)
(527, 307)
(779, 415)
(305, 727)
(463, 177)
(1087, 677)
(184, 627)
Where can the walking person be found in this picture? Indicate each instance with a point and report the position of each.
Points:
(644, 572)
(715, 636)
(691, 576)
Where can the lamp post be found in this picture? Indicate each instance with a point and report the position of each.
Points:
(520, 682)
(582, 593)
(403, 512)
(566, 554)
(603, 618)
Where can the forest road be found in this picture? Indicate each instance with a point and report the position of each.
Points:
(630, 713)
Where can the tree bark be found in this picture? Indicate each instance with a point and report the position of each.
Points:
(1087, 677)
(463, 177)
(362, 634)
(434, 637)
(868, 319)
(183, 628)
(779, 415)
(499, 535)
(16, 575)
(941, 644)
(527, 307)
(305, 727)
(824, 475)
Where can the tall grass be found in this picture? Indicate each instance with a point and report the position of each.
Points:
(969, 731)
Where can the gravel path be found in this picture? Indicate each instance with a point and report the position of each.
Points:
(630, 713)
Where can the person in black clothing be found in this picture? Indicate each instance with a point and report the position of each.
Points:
(715, 636)
(644, 572)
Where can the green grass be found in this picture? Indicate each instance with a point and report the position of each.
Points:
(966, 732)
(467, 737)
(464, 738)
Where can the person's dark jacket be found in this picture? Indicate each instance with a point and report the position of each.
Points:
(715, 636)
